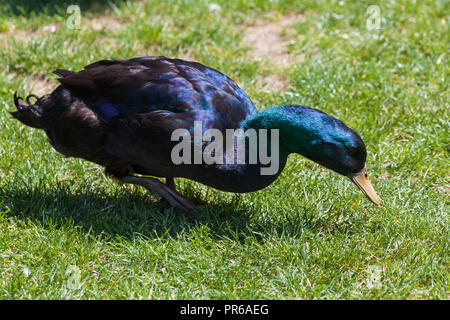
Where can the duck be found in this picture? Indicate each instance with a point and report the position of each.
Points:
(122, 115)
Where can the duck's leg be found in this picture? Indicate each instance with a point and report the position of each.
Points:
(170, 182)
(156, 187)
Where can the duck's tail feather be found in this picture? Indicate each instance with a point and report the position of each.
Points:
(29, 113)
(63, 73)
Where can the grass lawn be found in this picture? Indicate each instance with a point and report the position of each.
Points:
(69, 232)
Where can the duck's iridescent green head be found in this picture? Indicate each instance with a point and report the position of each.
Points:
(321, 138)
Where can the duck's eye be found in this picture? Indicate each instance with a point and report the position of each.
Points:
(366, 175)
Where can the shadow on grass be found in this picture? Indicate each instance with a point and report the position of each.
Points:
(125, 214)
(121, 214)
(50, 7)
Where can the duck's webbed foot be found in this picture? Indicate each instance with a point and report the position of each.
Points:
(156, 187)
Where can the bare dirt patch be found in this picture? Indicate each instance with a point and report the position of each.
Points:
(36, 84)
(266, 39)
(40, 86)
(275, 82)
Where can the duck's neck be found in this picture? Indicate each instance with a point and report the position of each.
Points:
(261, 159)
(298, 131)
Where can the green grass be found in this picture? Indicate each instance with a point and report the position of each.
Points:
(67, 231)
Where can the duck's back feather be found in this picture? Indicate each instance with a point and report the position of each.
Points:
(118, 88)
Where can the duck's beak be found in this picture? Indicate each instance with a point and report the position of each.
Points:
(362, 180)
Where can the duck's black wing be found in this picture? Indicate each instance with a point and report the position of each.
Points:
(123, 88)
